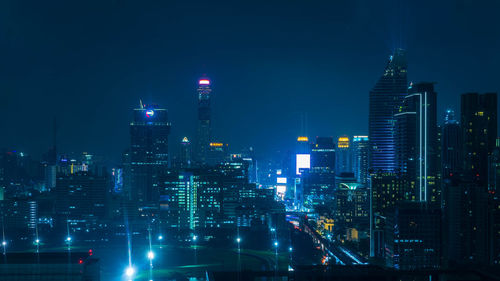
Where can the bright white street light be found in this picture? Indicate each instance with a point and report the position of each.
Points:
(238, 239)
(129, 271)
(290, 249)
(37, 241)
(4, 243)
(68, 239)
(151, 255)
(276, 243)
(195, 237)
(160, 237)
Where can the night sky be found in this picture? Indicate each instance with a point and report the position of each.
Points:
(89, 63)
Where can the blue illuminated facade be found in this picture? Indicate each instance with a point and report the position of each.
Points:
(385, 98)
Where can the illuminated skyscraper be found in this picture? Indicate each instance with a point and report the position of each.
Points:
(385, 97)
(343, 156)
(204, 133)
(417, 142)
(148, 152)
(361, 149)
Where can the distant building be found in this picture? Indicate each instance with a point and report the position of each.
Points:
(351, 207)
(385, 98)
(185, 158)
(361, 165)
(18, 217)
(323, 155)
(149, 152)
(343, 156)
(204, 132)
(451, 145)
(217, 153)
(479, 133)
(81, 200)
(217, 196)
(319, 181)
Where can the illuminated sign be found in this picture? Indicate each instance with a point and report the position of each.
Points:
(281, 180)
(303, 162)
(302, 139)
(278, 172)
(343, 142)
(360, 138)
(185, 139)
(204, 82)
(281, 189)
(216, 144)
(150, 113)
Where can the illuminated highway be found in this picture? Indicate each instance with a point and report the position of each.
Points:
(337, 254)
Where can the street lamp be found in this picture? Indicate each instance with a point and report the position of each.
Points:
(238, 240)
(151, 255)
(129, 271)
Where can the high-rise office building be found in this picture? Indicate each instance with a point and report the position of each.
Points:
(451, 145)
(323, 154)
(204, 133)
(360, 150)
(388, 190)
(479, 133)
(319, 181)
(343, 156)
(148, 152)
(217, 153)
(385, 98)
(185, 158)
(351, 207)
(81, 200)
(413, 236)
(417, 140)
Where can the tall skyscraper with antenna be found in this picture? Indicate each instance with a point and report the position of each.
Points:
(204, 132)
(149, 132)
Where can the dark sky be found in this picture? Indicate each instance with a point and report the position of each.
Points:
(271, 62)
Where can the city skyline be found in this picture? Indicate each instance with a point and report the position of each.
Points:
(282, 140)
(338, 76)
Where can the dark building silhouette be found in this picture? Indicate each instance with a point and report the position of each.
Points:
(413, 237)
(186, 154)
(319, 181)
(479, 133)
(385, 98)
(323, 154)
(148, 152)
(451, 145)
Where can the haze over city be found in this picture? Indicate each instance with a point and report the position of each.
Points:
(268, 140)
